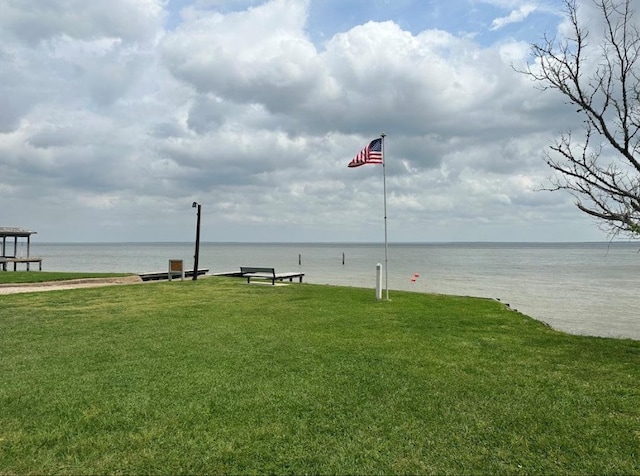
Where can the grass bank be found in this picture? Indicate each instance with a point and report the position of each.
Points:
(22, 277)
(217, 376)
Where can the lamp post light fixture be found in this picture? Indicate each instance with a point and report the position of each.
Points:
(195, 257)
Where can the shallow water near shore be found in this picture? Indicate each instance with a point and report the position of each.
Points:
(581, 288)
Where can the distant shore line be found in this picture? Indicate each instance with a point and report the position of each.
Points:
(348, 243)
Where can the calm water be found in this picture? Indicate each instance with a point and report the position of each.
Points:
(583, 288)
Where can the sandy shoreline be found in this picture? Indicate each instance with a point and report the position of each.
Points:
(14, 288)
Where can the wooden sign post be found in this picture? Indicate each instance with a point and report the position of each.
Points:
(176, 267)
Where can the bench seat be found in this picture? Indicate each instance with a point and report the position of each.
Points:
(4, 260)
(268, 274)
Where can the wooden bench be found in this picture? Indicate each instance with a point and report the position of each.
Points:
(267, 273)
(4, 260)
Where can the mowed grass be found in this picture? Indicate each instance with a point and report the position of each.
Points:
(21, 277)
(217, 376)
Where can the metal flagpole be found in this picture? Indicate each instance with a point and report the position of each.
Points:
(386, 254)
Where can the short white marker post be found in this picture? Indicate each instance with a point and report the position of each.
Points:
(379, 282)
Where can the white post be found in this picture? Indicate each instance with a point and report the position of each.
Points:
(378, 282)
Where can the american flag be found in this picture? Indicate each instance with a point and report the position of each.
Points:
(371, 154)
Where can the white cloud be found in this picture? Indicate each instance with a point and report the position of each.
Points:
(515, 16)
(114, 124)
(33, 21)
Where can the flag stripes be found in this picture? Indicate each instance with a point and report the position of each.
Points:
(371, 154)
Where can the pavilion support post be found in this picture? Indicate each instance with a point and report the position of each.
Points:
(28, 250)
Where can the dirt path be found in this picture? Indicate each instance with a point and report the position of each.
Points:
(14, 288)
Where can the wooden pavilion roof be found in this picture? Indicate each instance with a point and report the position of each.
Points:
(12, 231)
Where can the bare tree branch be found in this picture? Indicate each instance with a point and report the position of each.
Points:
(603, 82)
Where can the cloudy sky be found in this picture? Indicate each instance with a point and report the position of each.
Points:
(115, 115)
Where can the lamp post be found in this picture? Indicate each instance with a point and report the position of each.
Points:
(195, 262)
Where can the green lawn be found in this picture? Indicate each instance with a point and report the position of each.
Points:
(217, 376)
(11, 277)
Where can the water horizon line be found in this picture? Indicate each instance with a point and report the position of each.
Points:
(342, 243)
